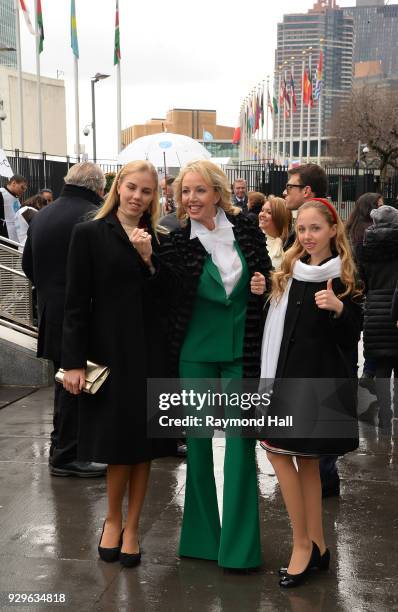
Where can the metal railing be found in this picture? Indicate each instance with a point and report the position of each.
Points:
(16, 303)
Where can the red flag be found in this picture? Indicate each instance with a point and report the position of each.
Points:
(307, 88)
(236, 136)
(27, 17)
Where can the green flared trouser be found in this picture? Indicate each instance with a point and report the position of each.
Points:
(235, 544)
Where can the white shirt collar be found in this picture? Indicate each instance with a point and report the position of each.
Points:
(220, 222)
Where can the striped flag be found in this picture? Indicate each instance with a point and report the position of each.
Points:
(269, 103)
(292, 94)
(40, 25)
(117, 56)
(275, 105)
(28, 22)
(319, 77)
(73, 30)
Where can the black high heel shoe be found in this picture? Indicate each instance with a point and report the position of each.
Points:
(324, 562)
(289, 581)
(130, 559)
(109, 554)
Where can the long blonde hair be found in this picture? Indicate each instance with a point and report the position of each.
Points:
(338, 243)
(113, 199)
(212, 175)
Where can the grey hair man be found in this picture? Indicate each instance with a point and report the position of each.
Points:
(44, 263)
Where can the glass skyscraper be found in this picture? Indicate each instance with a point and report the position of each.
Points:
(324, 25)
(7, 34)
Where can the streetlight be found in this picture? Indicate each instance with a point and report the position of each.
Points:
(97, 77)
(363, 149)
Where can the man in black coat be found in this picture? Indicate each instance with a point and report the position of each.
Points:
(304, 183)
(44, 263)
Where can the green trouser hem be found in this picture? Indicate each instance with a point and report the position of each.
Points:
(235, 544)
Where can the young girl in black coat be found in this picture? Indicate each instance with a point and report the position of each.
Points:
(311, 332)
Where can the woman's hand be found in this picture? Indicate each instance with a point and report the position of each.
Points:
(142, 242)
(327, 299)
(257, 284)
(74, 380)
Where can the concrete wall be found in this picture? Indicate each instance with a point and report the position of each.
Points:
(18, 362)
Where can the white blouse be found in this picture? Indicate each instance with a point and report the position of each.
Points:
(275, 250)
(219, 243)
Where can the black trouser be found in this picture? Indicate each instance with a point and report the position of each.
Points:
(63, 447)
(384, 369)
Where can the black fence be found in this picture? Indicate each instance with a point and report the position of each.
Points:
(345, 184)
(44, 171)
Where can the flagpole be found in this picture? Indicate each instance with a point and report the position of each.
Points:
(262, 122)
(284, 127)
(291, 112)
(119, 109)
(320, 96)
(302, 111)
(309, 109)
(19, 68)
(266, 123)
(38, 91)
(279, 120)
(76, 82)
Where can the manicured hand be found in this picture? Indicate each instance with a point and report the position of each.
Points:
(327, 299)
(142, 242)
(257, 284)
(74, 380)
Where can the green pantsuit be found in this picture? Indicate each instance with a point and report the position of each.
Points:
(213, 348)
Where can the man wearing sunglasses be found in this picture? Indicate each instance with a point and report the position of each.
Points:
(304, 183)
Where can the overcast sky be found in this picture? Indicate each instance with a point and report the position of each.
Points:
(175, 54)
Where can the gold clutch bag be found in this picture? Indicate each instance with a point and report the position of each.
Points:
(96, 375)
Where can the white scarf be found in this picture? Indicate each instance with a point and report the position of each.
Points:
(219, 243)
(274, 325)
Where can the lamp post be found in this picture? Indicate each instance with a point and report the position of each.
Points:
(97, 77)
(3, 116)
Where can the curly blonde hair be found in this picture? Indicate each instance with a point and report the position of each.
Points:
(113, 200)
(339, 244)
(212, 175)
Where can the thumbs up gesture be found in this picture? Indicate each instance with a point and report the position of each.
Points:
(327, 299)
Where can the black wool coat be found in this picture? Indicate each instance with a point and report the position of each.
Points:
(186, 258)
(315, 345)
(379, 271)
(113, 316)
(44, 261)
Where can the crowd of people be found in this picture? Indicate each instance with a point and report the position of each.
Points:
(186, 277)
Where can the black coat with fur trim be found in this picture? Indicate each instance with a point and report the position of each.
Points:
(186, 258)
(379, 271)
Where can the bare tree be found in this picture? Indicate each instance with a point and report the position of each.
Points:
(369, 116)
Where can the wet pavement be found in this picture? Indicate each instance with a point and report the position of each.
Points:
(50, 527)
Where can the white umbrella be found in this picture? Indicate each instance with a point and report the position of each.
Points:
(164, 149)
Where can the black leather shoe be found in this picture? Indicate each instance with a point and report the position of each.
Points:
(109, 554)
(81, 469)
(289, 581)
(130, 559)
(324, 562)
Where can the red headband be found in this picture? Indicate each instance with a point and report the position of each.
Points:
(329, 206)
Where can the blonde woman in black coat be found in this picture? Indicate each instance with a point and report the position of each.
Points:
(112, 318)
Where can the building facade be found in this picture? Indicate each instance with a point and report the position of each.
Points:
(375, 52)
(53, 113)
(301, 37)
(7, 34)
(198, 124)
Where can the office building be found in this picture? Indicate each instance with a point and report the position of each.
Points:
(302, 35)
(7, 34)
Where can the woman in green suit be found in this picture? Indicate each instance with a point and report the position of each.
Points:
(222, 263)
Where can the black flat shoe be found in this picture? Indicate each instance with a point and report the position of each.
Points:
(324, 562)
(109, 554)
(289, 581)
(130, 559)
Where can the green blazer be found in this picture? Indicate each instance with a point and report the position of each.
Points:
(217, 325)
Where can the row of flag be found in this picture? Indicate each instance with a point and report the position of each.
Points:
(255, 107)
(73, 28)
